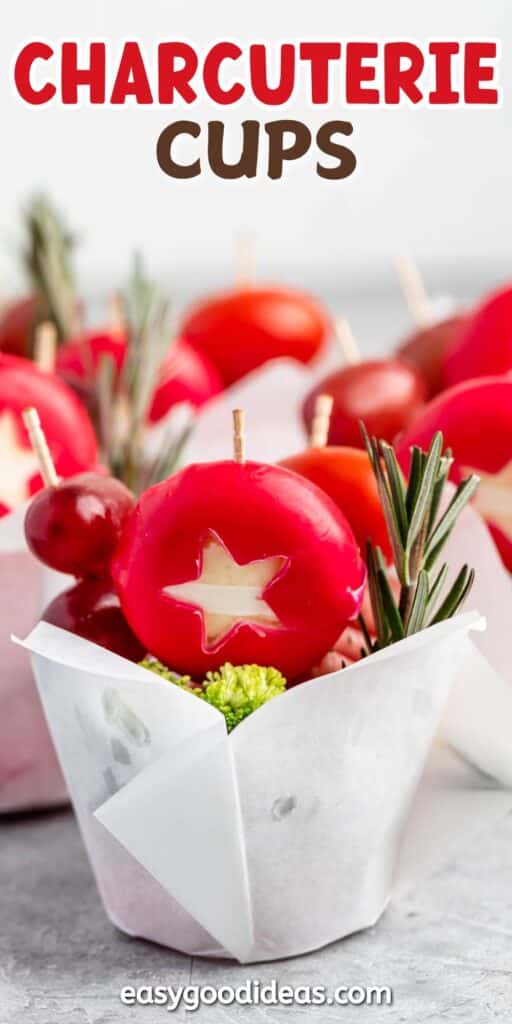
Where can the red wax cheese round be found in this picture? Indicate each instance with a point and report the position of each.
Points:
(242, 329)
(427, 348)
(346, 475)
(67, 427)
(384, 393)
(16, 326)
(185, 376)
(80, 356)
(246, 563)
(75, 526)
(91, 609)
(476, 421)
(484, 347)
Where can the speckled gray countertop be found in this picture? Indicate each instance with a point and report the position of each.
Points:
(445, 950)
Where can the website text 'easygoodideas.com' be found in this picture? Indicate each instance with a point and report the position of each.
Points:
(254, 993)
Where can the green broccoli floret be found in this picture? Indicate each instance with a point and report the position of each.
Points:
(235, 690)
(161, 670)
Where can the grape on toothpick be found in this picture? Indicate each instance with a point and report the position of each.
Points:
(430, 342)
(384, 393)
(74, 525)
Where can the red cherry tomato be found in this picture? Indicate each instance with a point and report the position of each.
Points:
(16, 326)
(91, 609)
(427, 348)
(67, 427)
(476, 421)
(384, 393)
(243, 563)
(484, 346)
(346, 475)
(75, 527)
(242, 329)
(185, 376)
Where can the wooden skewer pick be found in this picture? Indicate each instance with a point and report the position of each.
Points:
(414, 290)
(116, 317)
(245, 261)
(239, 435)
(321, 421)
(40, 446)
(45, 346)
(77, 320)
(347, 342)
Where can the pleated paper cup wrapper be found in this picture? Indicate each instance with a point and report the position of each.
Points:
(30, 776)
(265, 843)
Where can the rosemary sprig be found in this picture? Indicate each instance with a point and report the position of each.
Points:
(124, 400)
(46, 257)
(417, 534)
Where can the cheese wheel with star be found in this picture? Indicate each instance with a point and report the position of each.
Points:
(476, 421)
(66, 425)
(239, 562)
(484, 346)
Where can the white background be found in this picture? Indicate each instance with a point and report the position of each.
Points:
(437, 182)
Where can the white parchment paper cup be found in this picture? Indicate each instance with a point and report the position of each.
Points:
(265, 843)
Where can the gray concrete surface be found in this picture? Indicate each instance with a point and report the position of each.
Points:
(445, 950)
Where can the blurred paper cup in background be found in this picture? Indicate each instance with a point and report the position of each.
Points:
(30, 776)
(477, 718)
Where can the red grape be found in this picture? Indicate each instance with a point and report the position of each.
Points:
(384, 393)
(91, 609)
(76, 526)
(427, 347)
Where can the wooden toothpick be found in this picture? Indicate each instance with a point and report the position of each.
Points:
(77, 320)
(239, 435)
(321, 421)
(40, 446)
(116, 317)
(414, 291)
(347, 342)
(45, 346)
(245, 261)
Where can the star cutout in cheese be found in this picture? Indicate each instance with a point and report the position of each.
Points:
(17, 464)
(228, 593)
(493, 498)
